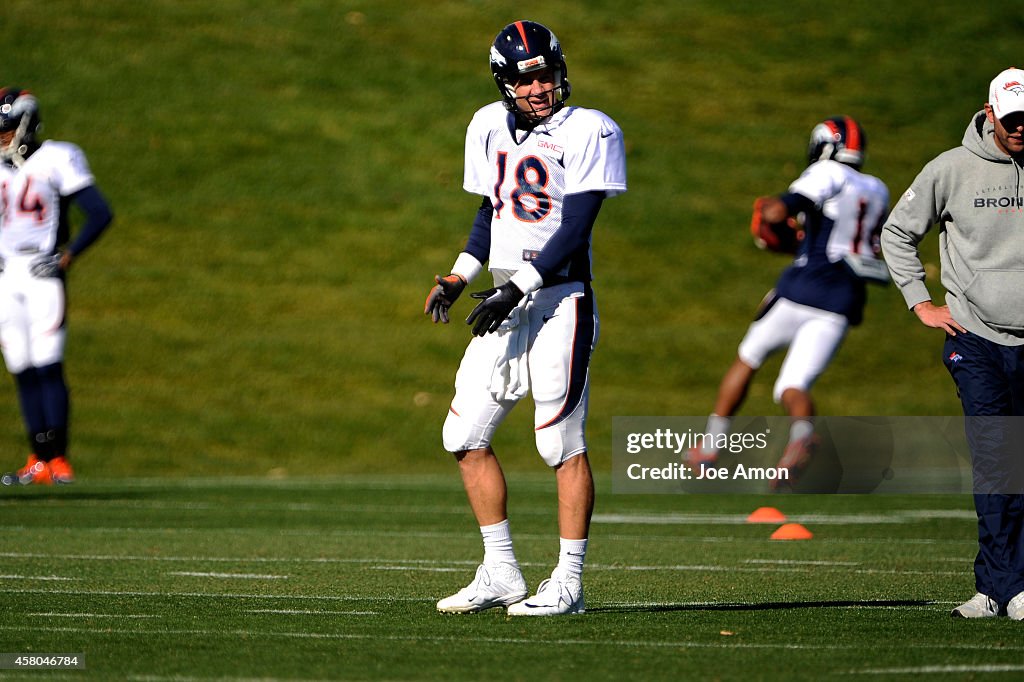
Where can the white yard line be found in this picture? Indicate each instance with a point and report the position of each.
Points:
(303, 507)
(51, 614)
(943, 669)
(215, 595)
(422, 569)
(725, 643)
(457, 566)
(201, 559)
(794, 562)
(261, 532)
(219, 678)
(453, 566)
(693, 519)
(461, 535)
(242, 576)
(312, 612)
(524, 641)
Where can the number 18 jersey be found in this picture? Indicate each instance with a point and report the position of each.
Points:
(527, 174)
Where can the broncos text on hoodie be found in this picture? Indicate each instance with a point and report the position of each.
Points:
(973, 193)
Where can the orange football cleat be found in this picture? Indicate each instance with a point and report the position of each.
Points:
(60, 471)
(35, 471)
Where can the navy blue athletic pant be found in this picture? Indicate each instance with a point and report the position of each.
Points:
(989, 379)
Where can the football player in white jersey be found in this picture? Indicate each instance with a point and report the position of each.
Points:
(38, 182)
(820, 295)
(543, 170)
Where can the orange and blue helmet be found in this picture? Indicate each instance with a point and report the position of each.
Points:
(839, 138)
(523, 47)
(19, 113)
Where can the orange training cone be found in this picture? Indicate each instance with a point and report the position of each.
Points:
(792, 531)
(766, 515)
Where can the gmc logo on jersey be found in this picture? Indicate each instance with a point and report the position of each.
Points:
(547, 145)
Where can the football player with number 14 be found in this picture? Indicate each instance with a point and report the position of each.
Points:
(38, 182)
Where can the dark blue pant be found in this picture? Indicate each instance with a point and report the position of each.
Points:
(990, 382)
(45, 406)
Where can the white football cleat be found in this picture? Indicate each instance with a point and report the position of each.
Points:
(559, 595)
(1015, 609)
(795, 459)
(498, 584)
(695, 457)
(978, 606)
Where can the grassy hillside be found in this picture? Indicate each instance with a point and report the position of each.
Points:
(287, 180)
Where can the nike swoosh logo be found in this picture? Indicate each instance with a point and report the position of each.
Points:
(607, 134)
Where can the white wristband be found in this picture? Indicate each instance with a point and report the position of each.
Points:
(467, 267)
(527, 279)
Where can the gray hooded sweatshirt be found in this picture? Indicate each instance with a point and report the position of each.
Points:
(974, 194)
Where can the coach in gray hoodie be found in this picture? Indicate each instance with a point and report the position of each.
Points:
(974, 194)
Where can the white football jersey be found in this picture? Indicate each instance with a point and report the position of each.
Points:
(526, 175)
(843, 225)
(30, 198)
(852, 204)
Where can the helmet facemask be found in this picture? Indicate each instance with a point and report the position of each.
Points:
(520, 51)
(19, 111)
(522, 106)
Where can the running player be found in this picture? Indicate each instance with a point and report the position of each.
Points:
(820, 295)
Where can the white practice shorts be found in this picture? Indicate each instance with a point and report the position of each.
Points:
(543, 348)
(32, 328)
(812, 335)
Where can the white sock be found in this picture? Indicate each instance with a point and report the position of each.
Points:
(800, 429)
(717, 426)
(570, 556)
(498, 544)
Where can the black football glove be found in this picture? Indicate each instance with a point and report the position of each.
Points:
(442, 296)
(495, 306)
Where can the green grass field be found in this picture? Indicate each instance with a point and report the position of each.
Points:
(156, 579)
(257, 397)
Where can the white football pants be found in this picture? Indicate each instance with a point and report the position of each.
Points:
(812, 335)
(32, 330)
(543, 348)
